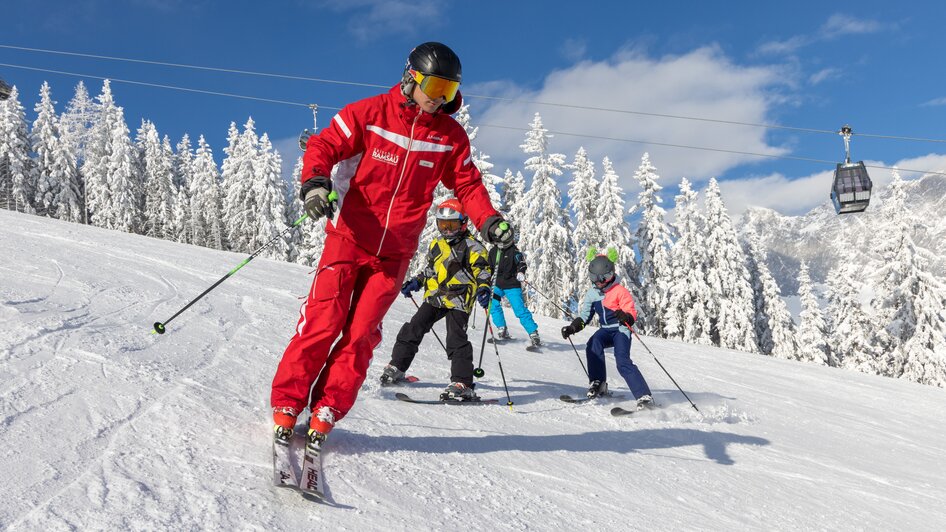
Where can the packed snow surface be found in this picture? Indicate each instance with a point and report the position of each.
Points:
(104, 425)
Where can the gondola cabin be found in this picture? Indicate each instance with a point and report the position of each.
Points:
(851, 189)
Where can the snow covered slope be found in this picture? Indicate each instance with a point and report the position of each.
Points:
(106, 426)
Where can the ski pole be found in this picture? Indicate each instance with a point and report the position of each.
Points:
(569, 314)
(560, 307)
(579, 358)
(473, 325)
(431, 330)
(478, 372)
(500, 362)
(159, 327)
(663, 368)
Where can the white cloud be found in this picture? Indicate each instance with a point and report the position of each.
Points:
(935, 101)
(373, 19)
(702, 83)
(836, 26)
(824, 75)
(787, 46)
(574, 49)
(777, 192)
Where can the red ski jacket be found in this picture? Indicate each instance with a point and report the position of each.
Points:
(390, 157)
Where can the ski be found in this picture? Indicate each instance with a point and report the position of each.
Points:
(533, 349)
(499, 341)
(311, 483)
(618, 411)
(570, 399)
(408, 399)
(410, 379)
(283, 474)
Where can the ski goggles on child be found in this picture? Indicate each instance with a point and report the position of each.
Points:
(601, 279)
(450, 227)
(435, 86)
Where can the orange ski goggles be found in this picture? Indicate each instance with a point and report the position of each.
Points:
(435, 86)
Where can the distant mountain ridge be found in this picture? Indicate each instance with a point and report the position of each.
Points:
(820, 235)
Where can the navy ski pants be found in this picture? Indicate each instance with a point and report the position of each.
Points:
(594, 351)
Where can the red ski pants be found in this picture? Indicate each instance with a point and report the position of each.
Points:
(350, 295)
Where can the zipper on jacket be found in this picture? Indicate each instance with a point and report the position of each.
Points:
(397, 187)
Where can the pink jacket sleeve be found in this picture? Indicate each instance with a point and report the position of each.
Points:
(625, 300)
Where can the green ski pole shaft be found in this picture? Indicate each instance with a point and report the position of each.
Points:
(160, 327)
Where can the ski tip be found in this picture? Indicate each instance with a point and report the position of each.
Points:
(313, 496)
(402, 396)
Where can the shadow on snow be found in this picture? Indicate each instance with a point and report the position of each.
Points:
(714, 443)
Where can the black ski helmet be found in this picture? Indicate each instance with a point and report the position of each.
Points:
(430, 59)
(601, 270)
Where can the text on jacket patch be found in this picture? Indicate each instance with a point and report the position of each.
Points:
(385, 157)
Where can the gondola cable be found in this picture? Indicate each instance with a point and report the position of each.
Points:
(495, 126)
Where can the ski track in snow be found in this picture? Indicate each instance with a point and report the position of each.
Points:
(104, 425)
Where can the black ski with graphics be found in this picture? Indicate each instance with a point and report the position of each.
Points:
(570, 399)
(408, 399)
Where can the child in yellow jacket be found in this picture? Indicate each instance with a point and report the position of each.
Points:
(456, 276)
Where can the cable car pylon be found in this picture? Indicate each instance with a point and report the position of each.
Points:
(851, 189)
(306, 133)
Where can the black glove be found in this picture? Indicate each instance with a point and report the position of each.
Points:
(498, 231)
(412, 285)
(483, 296)
(576, 325)
(320, 200)
(624, 317)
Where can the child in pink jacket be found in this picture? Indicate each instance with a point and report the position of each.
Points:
(614, 306)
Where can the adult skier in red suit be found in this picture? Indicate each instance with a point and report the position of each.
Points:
(391, 150)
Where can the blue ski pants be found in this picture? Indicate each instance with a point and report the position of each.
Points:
(594, 351)
(514, 295)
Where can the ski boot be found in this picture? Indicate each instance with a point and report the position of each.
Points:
(597, 389)
(322, 421)
(285, 421)
(502, 333)
(534, 337)
(645, 401)
(457, 391)
(391, 375)
(315, 441)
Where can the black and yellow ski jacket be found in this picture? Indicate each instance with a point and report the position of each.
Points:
(454, 273)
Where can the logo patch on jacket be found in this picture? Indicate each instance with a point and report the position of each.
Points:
(426, 164)
(385, 157)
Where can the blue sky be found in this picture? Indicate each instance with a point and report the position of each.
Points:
(875, 65)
